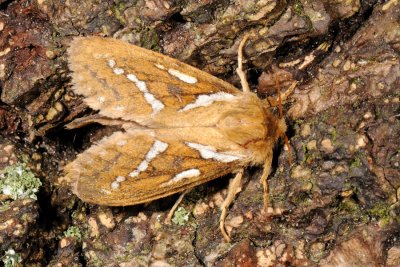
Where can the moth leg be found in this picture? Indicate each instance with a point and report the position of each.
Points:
(234, 184)
(239, 70)
(175, 206)
(264, 180)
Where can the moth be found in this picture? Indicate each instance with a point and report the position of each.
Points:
(180, 126)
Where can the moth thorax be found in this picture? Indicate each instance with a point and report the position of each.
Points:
(242, 128)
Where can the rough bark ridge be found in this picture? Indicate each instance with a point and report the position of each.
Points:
(338, 201)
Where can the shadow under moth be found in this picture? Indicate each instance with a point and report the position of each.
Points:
(180, 126)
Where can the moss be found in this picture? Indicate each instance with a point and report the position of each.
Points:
(74, 215)
(357, 81)
(11, 258)
(309, 156)
(4, 206)
(378, 114)
(278, 198)
(301, 198)
(99, 245)
(305, 151)
(349, 206)
(355, 163)
(298, 8)
(24, 158)
(334, 134)
(181, 216)
(93, 259)
(149, 39)
(117, 9)
(380, 211)
(19, 182)
(199, 237)
(73, 231)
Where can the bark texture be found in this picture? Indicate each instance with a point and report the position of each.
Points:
(336, 205)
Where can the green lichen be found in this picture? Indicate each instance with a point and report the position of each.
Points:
(11, 258)
(181, 216)
(19, 182)
(73, 231)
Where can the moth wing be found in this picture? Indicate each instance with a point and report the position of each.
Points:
(136, 167)
(125, 81)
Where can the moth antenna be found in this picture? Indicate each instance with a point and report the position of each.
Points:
(239, 70)
(281, 117)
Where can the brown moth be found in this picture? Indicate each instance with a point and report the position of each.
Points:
(180, 127)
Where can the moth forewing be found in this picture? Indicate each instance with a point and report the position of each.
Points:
(125, 81)
(181, 126)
